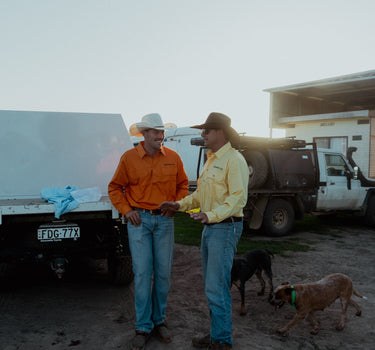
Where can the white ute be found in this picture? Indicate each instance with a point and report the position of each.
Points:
(55, 150)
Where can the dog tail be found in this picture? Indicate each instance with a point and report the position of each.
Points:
(358, 295)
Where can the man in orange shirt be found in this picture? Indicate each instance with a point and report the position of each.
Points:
(146, 176)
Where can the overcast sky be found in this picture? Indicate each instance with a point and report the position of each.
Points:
(182, 59)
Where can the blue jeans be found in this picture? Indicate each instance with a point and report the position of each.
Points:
(219, 244)
(151, 246)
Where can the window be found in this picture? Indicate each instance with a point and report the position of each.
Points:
(336, 143)
(363, 121)
(336, 165)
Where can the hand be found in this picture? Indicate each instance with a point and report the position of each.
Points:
(200, 216)
(133, 217)
(169, 208)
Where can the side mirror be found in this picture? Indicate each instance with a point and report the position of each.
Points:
(355, 177)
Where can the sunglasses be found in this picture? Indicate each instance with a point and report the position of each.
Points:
(207, 131)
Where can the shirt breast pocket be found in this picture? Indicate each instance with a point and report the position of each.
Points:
(169, 171)
(213, 177)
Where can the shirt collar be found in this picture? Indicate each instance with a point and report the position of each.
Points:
(219, 153)
(142, 152)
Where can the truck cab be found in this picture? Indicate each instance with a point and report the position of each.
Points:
(339, 188)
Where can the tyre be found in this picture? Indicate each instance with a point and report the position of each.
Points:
(278, 218)
(120, 270)
(6, 270)
(119, 262)
(370, 212)
(258, 168)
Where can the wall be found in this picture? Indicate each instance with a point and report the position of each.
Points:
(372, 149)
(330, 128)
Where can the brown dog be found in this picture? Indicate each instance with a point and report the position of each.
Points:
(310, 297)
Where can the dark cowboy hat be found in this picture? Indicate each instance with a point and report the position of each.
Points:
(219, 121)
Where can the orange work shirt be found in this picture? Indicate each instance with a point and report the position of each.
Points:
(144, 182)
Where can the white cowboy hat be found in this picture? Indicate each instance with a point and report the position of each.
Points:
(149, 121)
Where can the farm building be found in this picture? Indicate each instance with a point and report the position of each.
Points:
(336, 113)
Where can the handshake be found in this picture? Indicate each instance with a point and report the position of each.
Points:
(168, 208)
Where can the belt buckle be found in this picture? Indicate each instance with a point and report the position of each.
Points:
(154, 211)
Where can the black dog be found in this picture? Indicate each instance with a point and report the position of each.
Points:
(255, 261)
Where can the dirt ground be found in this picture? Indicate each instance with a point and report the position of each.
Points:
(84, 312)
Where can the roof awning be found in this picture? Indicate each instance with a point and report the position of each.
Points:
(356, 90)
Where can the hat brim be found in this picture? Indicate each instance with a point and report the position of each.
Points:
(230, 132)
(134, 131)
(204, 126)
(137, 129)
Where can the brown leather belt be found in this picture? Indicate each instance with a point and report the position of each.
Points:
(230, 219)
(149, 211)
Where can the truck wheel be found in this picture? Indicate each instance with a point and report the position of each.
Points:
(278, 218)
(370, 212)
(6, 270)
(258, 168)
(120, 270)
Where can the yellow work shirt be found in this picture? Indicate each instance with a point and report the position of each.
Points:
(222, 186)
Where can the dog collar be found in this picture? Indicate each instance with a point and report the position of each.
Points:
(293, 297)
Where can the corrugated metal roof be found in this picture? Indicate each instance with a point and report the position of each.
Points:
(356, 89)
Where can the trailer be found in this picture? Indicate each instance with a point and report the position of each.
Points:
(61, 154)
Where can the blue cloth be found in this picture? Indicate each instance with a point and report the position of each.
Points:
(151, 246)
(218, 246)
(61, 197)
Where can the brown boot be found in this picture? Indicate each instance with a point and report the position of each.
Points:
(163, 333)
(140, 340)
(216, 345)
(201, 342)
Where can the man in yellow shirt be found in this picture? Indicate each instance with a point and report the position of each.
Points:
(147, 175)
(221, 194)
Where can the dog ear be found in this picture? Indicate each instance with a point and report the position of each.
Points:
(284, 283)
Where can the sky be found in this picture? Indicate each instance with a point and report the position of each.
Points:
(180, 58)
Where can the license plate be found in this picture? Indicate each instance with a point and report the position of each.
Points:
(50, 233)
